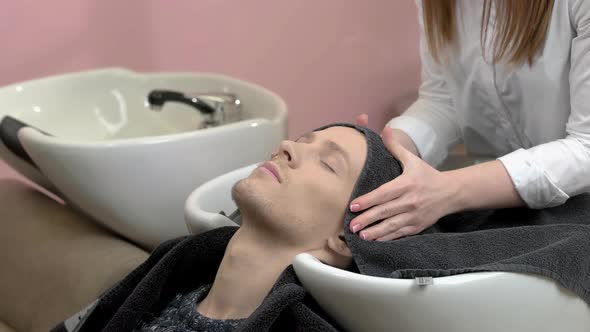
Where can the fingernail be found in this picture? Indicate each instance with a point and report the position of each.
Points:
(354, 207)
(363, 236)
(355, 228)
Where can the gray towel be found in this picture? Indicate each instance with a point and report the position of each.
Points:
(551, 242)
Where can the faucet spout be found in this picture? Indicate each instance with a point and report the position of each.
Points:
(157, 98)
(218, 108)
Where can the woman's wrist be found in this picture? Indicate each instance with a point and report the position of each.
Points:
(454, 196)
(402, 138)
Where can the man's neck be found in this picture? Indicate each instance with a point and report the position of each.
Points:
(250, 267)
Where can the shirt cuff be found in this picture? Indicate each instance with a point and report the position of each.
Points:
(423, 136)
(532, 184)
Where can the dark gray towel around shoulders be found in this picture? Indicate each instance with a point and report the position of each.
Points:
(551, 242)
(179, 266)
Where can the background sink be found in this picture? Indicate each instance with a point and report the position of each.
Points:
(94, 143)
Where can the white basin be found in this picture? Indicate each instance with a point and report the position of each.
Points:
(125, 165)
(203, 205)
(482, 301)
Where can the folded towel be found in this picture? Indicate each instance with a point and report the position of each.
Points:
(552, 242)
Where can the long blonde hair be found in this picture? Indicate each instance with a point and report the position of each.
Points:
(521, 26)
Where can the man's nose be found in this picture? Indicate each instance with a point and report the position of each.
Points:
(288, 153)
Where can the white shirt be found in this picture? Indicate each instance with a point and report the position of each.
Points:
(535, 119)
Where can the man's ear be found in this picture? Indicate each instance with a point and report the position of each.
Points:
(341, 254)
(335, 252)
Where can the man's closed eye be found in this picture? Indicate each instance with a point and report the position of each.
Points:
(327, 166)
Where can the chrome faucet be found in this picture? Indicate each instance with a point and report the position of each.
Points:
(218, 108)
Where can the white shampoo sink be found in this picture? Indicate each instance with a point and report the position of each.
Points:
(91, 138)
(476, 301)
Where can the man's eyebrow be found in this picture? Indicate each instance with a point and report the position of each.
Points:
(331, 145)
(310, 135)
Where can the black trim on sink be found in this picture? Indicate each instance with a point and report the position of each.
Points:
(9, 128)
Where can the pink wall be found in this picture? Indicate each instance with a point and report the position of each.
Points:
(329, 59)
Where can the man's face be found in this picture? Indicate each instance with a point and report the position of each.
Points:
(305, 202)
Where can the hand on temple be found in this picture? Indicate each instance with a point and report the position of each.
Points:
(408, 204)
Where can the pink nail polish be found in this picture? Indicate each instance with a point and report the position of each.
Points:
(355, 228)
(354, 207)
(363, 236)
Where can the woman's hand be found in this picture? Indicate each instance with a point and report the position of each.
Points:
(408, 204)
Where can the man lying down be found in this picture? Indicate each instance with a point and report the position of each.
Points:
(241, 279)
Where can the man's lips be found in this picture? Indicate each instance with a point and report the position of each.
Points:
(272, 169)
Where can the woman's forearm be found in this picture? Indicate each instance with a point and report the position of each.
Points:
(482, 186)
